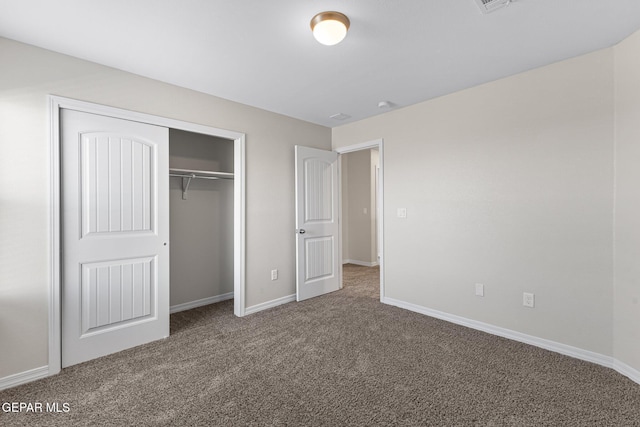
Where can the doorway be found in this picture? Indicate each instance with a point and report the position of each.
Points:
(359, 207)
(362, 206)
(201, 183)
(57, 104)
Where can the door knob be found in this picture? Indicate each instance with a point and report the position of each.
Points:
(302, 231)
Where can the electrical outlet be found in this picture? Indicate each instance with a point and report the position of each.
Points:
(402, 212)
(528, 300)
(274, 274)
(479, 289)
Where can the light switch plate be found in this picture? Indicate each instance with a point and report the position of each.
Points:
(402, 212)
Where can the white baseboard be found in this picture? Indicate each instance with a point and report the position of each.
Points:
(200, 302)
(557, 347)
(626, 370)
(24, 377)
(362, 263)
(269, 304)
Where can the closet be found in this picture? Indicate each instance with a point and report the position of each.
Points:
(201, 219)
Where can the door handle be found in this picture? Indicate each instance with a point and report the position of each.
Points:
(302, 231)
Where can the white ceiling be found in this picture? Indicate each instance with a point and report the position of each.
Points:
(262, 52)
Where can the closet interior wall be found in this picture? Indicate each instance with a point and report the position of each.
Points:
(202, 224)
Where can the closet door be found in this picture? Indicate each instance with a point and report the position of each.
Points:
(115, 222)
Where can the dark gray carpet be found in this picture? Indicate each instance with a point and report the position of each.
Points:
(340, 359)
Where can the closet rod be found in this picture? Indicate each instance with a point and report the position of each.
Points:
(188, 174)
(186, 180)
(199, 173)
(193, 175)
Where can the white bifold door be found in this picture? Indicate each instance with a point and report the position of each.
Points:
(115, 234)
(317, 222)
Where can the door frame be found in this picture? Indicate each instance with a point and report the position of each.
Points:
(379, 144)
(56, 103)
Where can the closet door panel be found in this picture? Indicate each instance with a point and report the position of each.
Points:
(115, 235)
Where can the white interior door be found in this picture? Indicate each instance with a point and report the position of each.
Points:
(115, 234)
(317, 226)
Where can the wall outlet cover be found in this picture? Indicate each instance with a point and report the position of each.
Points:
(528, 299)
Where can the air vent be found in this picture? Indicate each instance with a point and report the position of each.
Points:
(487, 6)
(340, 116)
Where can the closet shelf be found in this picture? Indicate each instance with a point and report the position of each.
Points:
(188, 174)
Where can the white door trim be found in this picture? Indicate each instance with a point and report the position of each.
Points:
(379, 144)
(56, 103)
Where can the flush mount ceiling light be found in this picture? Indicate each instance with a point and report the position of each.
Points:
(329, 28)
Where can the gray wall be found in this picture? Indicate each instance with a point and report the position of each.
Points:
(508, 184)
(627, 209)
(28, 74)
(201, 225)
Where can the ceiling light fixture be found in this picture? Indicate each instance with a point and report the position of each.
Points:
(329, 28)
